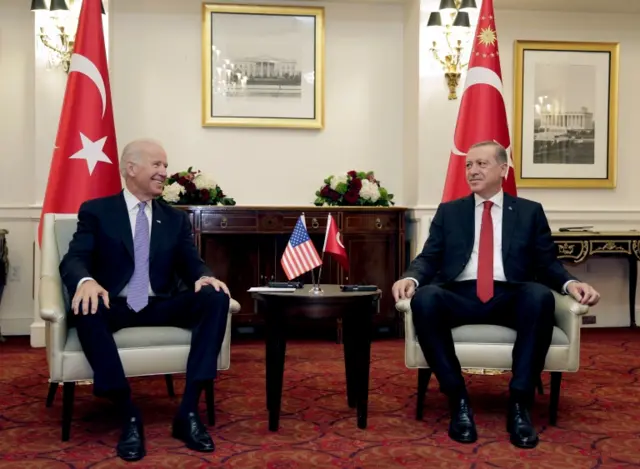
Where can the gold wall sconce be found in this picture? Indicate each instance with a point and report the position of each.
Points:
(57, 30)
(452, 21)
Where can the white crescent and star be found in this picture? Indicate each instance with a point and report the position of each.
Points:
(92, 151)
(482, 76)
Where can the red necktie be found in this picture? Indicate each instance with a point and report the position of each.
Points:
(485, 255)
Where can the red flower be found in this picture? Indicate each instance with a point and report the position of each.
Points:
(205, 195)
(356, 185)
(351, 197)
(352, 174)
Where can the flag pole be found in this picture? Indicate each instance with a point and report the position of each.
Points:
(313, 281)
(323, 246)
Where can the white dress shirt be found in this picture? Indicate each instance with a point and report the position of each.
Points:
(470, 272)
(132, 202)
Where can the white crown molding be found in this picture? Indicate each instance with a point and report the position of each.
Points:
(20, 212)
(617, 216)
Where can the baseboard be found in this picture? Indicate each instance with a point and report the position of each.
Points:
(15, 326)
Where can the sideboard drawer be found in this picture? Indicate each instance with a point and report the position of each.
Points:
(316, 222)
(219, 222)
(370, 222)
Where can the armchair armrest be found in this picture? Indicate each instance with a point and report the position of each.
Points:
(234, 306)
(51, 300)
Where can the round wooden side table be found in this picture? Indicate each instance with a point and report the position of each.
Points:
(356, 309)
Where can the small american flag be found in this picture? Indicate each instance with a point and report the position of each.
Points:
(300, 256)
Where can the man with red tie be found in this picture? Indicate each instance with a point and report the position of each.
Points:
(489, 259)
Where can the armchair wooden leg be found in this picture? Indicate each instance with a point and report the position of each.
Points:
(169, 380)
(424, 376)
(51, 395)
(556, 380)
(540, 386)
(208, 395)
(68, 394)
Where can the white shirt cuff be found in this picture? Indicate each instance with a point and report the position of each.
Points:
(82, 280)
(416, 282)
(564, 287)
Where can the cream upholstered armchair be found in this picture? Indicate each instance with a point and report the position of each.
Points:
(489, 347)
(144, 351)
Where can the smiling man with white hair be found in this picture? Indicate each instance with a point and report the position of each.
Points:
(121, 269)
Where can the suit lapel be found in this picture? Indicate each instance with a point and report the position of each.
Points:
(468, 223)
(157, 229)
(509, 218)
(124, 224)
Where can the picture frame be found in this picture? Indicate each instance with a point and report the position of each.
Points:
(566, 114)
(263, 66)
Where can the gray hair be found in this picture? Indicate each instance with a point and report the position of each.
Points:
(133, 151)
(501, 152)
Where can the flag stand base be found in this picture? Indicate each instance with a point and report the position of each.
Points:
(316, 290)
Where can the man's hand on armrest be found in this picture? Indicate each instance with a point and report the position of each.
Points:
(404, 288)
(87, 297)
(583, 293)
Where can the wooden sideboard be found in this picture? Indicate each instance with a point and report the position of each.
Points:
(243, 247)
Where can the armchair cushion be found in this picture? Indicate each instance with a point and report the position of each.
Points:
(490, 346)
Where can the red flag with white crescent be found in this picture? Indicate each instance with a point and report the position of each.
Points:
(85, 159)
(333, 243)
(482, 114)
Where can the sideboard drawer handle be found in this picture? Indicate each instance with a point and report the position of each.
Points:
(314, 224)
(378, 224)
(224, 222)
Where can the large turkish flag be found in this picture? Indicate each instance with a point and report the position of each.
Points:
(85, 159)
(482, 114)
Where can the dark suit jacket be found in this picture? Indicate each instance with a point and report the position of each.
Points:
(528, 251)
(102, 248)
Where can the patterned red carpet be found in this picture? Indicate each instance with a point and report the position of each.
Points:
(598, 423)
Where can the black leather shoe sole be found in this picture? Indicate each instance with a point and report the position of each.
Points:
(522, 442)
(193, 445)
(465, 438)
(131, 456)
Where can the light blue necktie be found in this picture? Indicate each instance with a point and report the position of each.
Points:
(138, 290)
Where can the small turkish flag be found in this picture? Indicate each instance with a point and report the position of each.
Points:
(482, 115)
(333, 244)
(85, 159)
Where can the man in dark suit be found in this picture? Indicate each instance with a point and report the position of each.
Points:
(489, 259)
(122, 269)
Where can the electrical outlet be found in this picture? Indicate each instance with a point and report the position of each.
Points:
(14, 273)
(588, 319)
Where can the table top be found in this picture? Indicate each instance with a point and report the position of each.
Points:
(630, 234)
(328, 292)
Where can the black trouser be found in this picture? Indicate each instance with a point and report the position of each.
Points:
(205, 313)
(528, 308)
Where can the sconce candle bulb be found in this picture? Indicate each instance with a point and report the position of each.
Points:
(459, 22)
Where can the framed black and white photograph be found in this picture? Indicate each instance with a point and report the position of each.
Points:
(566, 114)
(263, 66)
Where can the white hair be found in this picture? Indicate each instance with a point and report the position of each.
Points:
(134, 150)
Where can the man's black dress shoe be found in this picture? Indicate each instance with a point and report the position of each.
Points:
(521, 431)
(462, 427)
(191, 430)
(131, 444)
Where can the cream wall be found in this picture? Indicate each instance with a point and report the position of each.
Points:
(386, 110)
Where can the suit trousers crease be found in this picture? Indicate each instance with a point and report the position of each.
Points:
(204, 313)
(526, 307)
